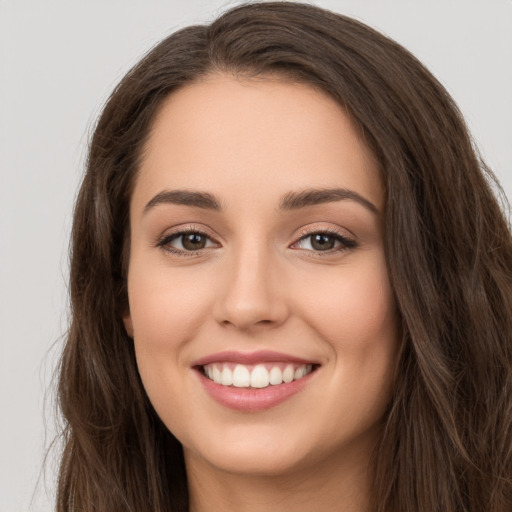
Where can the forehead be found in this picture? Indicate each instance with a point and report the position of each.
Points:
(256, 134)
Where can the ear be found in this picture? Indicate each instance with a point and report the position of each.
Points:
(128, 325)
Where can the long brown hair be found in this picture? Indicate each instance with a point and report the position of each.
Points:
(446, 443)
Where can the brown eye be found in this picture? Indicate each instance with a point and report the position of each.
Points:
(193, 241)
(322, 242)
(184, 242)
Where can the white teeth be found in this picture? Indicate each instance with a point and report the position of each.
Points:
(288, 374)
(300, 372)
(217, 376)
(241, 377)
(259, 377)
(276, 376)
(227, 377)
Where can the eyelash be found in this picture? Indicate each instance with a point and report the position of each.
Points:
(345, 242)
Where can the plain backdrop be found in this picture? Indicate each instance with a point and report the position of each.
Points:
(59, 59)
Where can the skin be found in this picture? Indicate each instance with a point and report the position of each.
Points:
(260, 284)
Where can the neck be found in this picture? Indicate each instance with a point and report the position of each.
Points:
(329, 487)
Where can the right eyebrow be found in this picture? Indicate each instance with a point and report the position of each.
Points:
(314, 196)
(184, 197)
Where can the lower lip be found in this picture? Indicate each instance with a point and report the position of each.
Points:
(251, 399)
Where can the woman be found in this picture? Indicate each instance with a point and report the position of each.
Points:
(290, 283)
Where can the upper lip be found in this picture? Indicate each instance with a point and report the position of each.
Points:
(262, 356)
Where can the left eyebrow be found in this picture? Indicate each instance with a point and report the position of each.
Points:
(185, 197)
(314, 196)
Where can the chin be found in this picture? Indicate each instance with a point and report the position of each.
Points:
(253, 458)
(266, 449)
(261, 449)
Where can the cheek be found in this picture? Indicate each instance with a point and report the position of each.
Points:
(353, 307)
(165, 307)
(354, 313)
(166, 312)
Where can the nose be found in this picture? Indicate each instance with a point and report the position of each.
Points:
(251, 293)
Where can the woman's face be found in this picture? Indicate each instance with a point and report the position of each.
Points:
(256, 258)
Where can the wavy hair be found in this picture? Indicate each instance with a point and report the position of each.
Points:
(446, 444)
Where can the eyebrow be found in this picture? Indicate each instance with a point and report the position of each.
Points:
(185, 197)
(290, 201)
(311, 197)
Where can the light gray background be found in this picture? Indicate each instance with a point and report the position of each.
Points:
(58, 62)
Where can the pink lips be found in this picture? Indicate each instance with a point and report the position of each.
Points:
(250, 399)
(263, 356)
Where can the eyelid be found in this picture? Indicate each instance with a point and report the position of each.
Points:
(334, 230)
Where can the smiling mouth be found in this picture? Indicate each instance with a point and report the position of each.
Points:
(256, 381)
(255, 376)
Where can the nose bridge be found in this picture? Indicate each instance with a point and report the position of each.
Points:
(250, 291)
